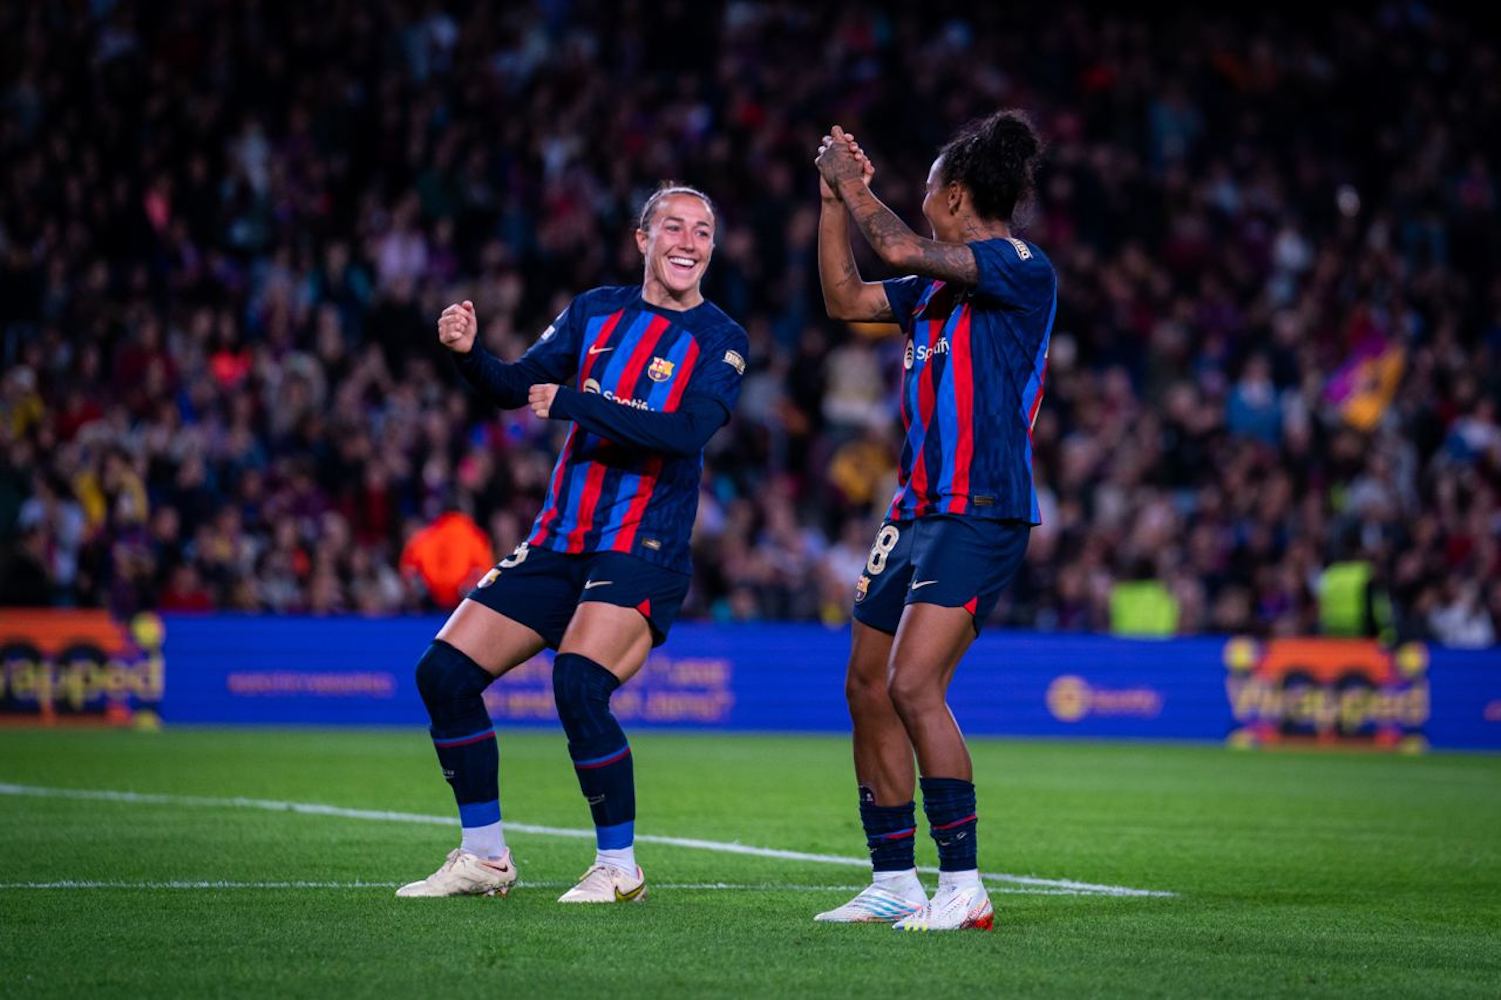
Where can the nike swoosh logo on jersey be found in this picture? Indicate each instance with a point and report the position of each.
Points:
(919, 584)
(597, 583)
(599, 350)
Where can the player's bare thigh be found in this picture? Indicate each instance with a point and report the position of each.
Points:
(929, 643)
(616, 638)
(489, 638)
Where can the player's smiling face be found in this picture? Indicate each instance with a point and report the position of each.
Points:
(940, 206)
(678, 245)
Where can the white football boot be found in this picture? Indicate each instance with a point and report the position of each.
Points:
(604, 884)
(953, 908)
(466, 874)
(876, 905)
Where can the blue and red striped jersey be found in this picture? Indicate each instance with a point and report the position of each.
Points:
(972, 384)
(605, 496)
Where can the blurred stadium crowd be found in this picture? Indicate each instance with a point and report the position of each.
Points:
(226, 232)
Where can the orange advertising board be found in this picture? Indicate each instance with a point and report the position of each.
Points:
(1327, 692)
(64, 665)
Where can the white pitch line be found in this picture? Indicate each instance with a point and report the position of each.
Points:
(186, 884)
(305, 884)
(526, 884)
(1068, 886)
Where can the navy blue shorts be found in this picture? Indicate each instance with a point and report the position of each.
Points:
(943, 559)
(541, 589)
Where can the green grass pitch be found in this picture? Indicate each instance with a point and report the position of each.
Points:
(1327, 874)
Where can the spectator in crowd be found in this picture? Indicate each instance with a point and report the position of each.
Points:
(225, 234)
(447, 557)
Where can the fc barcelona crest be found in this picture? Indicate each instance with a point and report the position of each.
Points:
(660, 369)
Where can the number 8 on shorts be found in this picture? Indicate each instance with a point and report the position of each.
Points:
(886, 540)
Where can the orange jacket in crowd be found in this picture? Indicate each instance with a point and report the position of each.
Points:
(448, 555)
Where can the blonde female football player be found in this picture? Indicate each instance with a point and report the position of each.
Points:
(644, 375)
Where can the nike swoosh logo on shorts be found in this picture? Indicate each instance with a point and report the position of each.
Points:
(597, 583)
(919, 584)
(599, 350)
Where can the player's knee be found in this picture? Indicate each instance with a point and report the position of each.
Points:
(914, 696)
(581, 689)
(866, 694)
(446, 675)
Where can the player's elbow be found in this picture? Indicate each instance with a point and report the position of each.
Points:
(839, 292)
(841, 307)
(863, 303)
(902, 252)
(687, 436)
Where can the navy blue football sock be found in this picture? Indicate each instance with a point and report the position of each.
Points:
(597, 744)
(451, 685)
(950, 806)
(890, 833)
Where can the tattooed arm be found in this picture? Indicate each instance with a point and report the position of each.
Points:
(889, 236)
(903, 249)
(845, 295)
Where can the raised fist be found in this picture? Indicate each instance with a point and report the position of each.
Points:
(458, 326)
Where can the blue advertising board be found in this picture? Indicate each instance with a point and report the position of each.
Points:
(1466, 706)
(356, 671)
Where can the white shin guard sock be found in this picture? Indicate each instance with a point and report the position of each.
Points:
(959, 880)
(488, 841)
(904, 883)
(621, 858)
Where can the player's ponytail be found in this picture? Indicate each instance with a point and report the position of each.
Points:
(995, 157)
